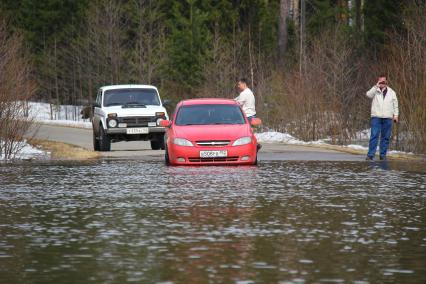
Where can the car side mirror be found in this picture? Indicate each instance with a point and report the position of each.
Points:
(165, 123)
(255, 121)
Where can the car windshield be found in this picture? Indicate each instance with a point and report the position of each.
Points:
(209, 114)
(131, 97)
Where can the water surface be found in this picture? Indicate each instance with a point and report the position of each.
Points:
(282, 222)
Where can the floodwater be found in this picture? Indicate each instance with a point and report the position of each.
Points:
(281, 222)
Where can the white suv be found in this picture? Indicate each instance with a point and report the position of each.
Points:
(128, 113)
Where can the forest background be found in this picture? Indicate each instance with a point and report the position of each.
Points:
(309, 62)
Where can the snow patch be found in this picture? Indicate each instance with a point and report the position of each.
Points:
(27, 152)
(64, 115)
(357, 147)
(278, 137)
(70, 123)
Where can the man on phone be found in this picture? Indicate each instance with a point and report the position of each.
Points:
(384, 110)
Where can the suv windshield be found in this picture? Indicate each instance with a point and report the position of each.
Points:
(209, 114)
(131, 97)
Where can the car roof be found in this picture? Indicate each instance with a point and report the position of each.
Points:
(207, 101)
(130, 86)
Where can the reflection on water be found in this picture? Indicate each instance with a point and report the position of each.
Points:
(288, 222)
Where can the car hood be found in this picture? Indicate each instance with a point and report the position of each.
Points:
(140, 111)
(212, 132)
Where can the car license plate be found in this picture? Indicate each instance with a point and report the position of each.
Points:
(140, 130)
(213, 154)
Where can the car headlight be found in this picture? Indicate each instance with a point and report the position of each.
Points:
(182, 142)
(242, 141)
(112, 123)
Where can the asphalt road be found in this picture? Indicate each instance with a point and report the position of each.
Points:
(141, 149)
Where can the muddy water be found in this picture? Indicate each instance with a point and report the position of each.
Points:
(282, 222)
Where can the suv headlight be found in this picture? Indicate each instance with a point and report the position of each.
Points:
(182, 142)
(242, 141)
(112, 123)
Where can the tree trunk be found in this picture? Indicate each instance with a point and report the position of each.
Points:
(282, 30)
(358, 11)
(295, 6)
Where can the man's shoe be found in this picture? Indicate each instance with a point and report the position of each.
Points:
(369, 158)
(383, 158)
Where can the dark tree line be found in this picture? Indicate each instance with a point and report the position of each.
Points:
(308, 61)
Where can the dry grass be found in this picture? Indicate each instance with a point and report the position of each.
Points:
(61, 150)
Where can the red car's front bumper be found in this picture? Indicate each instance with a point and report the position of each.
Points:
(237, 155)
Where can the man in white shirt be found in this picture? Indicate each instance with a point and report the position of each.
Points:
(246, 99)
(384, 109)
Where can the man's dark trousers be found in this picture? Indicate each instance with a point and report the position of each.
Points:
(379, 127)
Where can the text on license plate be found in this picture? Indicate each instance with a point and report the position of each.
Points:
(139, 130)
(213, 154)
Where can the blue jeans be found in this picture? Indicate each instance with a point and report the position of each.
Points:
(382, 127)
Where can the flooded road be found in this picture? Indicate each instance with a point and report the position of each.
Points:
(281, 222)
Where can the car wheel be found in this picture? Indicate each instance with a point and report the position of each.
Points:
(96, 146)
(166, 157)
(104, 141)
(155, 145)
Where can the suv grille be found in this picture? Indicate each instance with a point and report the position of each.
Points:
(213, 143)
(137, 120)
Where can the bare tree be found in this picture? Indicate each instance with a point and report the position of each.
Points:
(322, 101)
(219, 71)
(406, 65)
(16, 87)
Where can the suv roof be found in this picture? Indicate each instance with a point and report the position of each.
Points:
(113, 87)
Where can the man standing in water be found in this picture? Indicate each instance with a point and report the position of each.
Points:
(246, 99)
(384, 109)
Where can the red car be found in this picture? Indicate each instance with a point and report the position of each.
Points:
(210, 132)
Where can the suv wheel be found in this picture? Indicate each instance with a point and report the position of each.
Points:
(155, 145)
(104, 140)
(96, 145)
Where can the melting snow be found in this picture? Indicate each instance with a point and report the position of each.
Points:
(27, 152)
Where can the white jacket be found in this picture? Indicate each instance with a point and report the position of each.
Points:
(247, 101)
(383, 107)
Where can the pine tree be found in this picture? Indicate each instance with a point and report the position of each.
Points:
(381, 17)
(188, 44)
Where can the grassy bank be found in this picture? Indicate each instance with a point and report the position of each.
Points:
(61, 150)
